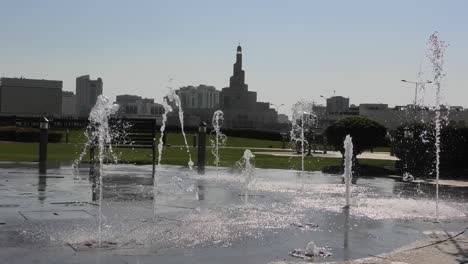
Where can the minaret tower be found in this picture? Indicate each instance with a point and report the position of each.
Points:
(238, 78)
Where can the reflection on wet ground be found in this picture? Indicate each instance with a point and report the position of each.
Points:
(204, 217)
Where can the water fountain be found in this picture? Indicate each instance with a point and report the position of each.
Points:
(435, 53)
(247, 170)
(99, 135)
(407, 177)
(210, 224)
(170, 98)
(348, 163)
(302, 119)
(219, 138)
(311, 249)
(311, 252)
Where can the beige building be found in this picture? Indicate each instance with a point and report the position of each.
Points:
(87, 91)
(393, 117)
(20, 96)
(399, 115)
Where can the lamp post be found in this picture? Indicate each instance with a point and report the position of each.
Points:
(303, 120)
(416, 88)
(276, 106)
(66, 135)
(324, 136)
(391, 143)
(408, 135)
(284, 137)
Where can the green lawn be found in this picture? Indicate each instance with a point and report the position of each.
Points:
(382, 149)
(174, 154)
(59, 152)
(177, 139)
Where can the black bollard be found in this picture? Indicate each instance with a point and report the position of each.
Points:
(201, 148)
(43, 140)
(93, 171)
(66, 136)
(92, 159)
(153, 150)
(153, 147)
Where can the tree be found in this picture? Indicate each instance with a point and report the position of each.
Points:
(365, 133)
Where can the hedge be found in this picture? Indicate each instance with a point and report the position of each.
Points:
(20, 134)
(417, 153)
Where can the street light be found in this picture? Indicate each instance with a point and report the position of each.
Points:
(277, 106)
(302, 138)
(324, 98)
(43, 141)
(416, 88)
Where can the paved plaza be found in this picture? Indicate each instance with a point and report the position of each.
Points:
(205, 219)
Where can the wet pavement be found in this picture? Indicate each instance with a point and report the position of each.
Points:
(204, 219)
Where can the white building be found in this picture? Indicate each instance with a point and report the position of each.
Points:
(136, 107)
(68, 104)
(87, 91)
(199, 97)
(199, 101)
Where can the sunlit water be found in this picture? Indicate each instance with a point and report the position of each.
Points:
(219, 138)
(348, 169)
(436, 54)
(302, 119)
(246, 169)
(170, 99)
(100, 136)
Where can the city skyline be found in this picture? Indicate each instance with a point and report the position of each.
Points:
(291, 52)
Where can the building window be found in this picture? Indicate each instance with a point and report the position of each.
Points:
(183, 100)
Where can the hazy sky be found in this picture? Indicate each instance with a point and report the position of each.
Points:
(292, 49)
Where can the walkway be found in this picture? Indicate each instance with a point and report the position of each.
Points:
(332, 154)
